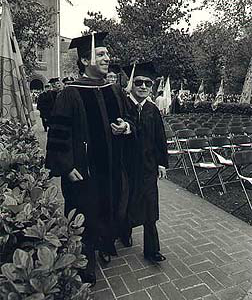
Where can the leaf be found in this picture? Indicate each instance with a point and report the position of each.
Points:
(29, 178)
(20, 258)
(75, 238)
(53, 239)
(36, 296)
(28, 209)
(8, 270)
(80, 262)
(46, 257)
(9, 200)
(50, 223)
(79, 220)
(36, 193)
(49, 283)
(51, 192)
(37, 285)
(33, 232)
(13, 296)
(79, 231)
(16, 208)
(71, 214)
(64, 261)
(30, 264)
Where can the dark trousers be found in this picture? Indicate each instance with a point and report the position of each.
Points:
(151, 240)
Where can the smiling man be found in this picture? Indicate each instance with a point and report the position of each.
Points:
(147, 159)
(85, 144)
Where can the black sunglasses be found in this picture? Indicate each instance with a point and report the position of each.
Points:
(139, 82)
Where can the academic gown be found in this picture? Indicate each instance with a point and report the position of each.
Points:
(149, 151)
(45, 103)
(80, 137)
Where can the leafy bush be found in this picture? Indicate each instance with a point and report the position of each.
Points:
(40, 248)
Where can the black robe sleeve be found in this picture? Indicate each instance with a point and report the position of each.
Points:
(60, 156)
(160, 141)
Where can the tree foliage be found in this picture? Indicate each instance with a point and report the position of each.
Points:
(32, 24)
(146, 31)
(219, 53)
(234, 14)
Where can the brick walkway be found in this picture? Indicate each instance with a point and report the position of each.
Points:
(209, 255)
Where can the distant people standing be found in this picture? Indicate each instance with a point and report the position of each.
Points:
(43, 105)
(47, 99)
(175, 104)
(67, 80)
(160, 102)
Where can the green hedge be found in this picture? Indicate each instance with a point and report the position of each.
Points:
(40, 248)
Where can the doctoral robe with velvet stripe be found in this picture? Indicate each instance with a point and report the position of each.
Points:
(80, 137)
(143, 158)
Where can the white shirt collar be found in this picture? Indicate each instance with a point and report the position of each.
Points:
(136, 102)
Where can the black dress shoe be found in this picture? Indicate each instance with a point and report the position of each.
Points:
(105, 257)
(87, 277)
(155, 257)
(127, 242)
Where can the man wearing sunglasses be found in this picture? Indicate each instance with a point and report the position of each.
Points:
(146, 159)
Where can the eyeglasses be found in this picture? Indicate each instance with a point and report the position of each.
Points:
(139, 82)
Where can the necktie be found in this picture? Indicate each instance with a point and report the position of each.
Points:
(139, 109)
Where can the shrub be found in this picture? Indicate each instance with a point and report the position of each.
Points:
(40, 248)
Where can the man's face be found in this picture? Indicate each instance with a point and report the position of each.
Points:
(102, 62)
(142, 87)
(111, 77)
(57, 86)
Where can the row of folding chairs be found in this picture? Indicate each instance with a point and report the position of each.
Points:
(209, 158)
(211, 130)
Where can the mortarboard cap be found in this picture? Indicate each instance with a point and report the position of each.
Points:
(84, 43)
(146, 69)
(53, 80)
(67, 79)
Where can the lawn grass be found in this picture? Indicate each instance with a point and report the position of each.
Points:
(228, 201)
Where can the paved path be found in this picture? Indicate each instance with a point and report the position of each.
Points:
(209, 255)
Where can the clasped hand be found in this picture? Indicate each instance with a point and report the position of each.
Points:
(120, 127)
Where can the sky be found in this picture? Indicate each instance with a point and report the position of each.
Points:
(72, 16)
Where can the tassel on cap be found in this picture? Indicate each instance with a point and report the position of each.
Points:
(130, 83)
(93, 60)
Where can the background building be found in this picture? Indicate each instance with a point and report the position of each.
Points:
(49, 60)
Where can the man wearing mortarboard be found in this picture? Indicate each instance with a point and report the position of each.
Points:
(146, 159)
(85, 143)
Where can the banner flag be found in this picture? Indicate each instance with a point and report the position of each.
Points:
(161, 85)
(167, 95)
(219, 96)
(247, 86)
(200, 96)
(15, 98)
